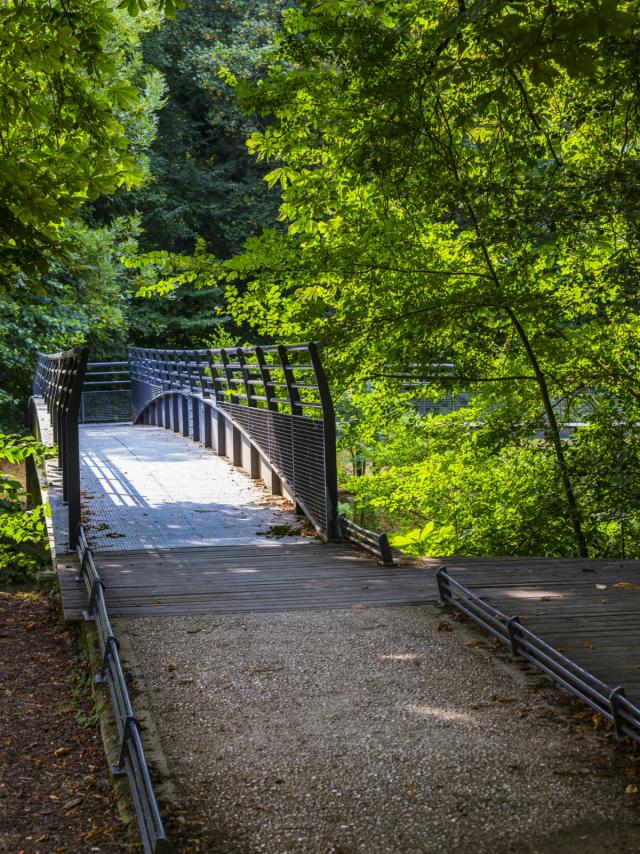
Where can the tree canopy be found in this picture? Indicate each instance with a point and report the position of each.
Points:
(459, 202)
(70, 114)
(445, 193)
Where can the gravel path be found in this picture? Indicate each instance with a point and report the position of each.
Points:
(147, 488)
(372, 730)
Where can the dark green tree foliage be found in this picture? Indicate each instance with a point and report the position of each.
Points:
(77, 118)
(81, 298)
(205, 184)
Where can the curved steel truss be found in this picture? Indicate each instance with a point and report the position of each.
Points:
(271, 404)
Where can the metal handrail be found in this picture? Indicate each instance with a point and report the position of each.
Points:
(610, 702)
(377, 544)
(57, 380)
(188, 391)
(131, 761)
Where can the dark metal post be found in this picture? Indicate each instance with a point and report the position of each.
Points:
(72, 443)
(512, 629)
(442, 579)
(236, 436)
(272, 406)
(254, 456)
(618, 720)
(294, 396)
(185, 415)
(330, 452)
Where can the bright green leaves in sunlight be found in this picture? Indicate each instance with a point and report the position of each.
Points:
(460, 186)
(64, 104)
(22, 533)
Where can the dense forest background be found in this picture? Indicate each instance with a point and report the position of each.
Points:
(444, 193)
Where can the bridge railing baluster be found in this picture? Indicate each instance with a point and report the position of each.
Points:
(57, 383)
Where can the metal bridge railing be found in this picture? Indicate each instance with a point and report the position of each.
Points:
(132, 761)
(376, 544)
(106, 393)
(277, 397)
(610, 702)
(57, 380)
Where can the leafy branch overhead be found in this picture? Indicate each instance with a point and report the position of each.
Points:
(67, 120)
(459, 186)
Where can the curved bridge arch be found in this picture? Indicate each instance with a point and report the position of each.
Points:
(268, 409)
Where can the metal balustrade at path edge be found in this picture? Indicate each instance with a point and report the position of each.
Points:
(58, 382)
(132, 761)
(269, 410)
(610, 702)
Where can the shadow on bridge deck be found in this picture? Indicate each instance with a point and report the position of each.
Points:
(147, 488)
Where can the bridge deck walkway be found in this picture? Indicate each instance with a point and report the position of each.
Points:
(177, 530)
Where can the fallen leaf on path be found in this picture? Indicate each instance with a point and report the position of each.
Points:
(62, 751)
(631, 789)
(73, 803)
(358, 607)
(501, 698)
(627, 585)
(444, 626)
(601, 586)
(475, 643)
(587, 645)
(95, 831)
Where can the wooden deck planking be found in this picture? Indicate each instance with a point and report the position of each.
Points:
(257, 578)
(556, 599)
(598, 628)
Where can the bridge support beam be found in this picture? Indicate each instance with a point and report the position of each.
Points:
(237, 445)
(254, 464)
(222, 436)
(276, 484)
(208, 427)
(175, 423)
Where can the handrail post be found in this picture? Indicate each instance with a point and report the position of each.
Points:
(614, 700)
(72, 463)
(329, 437)
(59, 378)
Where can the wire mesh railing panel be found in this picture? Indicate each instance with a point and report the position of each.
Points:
(106, 394)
